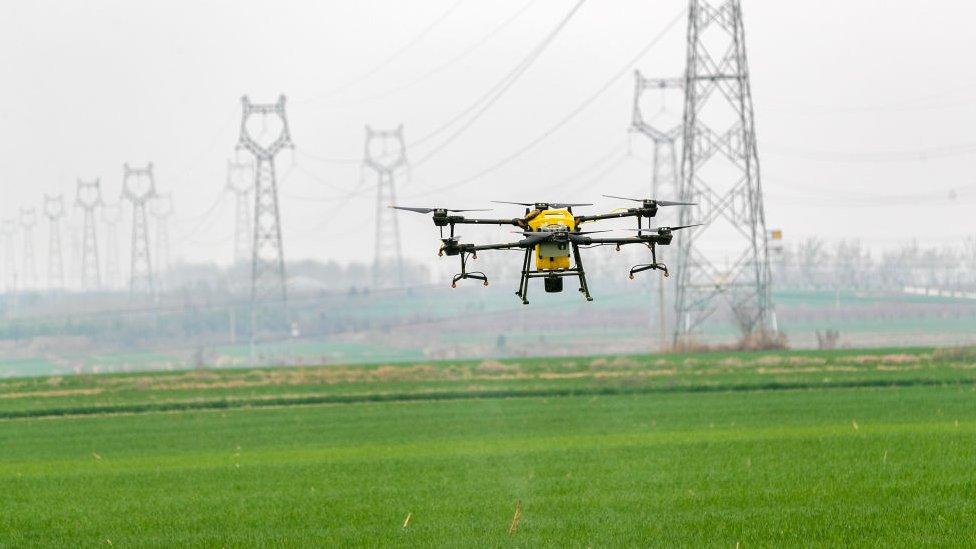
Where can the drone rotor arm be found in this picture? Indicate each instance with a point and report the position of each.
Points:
(630, 212)
(622, 241)
(501, 246)
(460, 220)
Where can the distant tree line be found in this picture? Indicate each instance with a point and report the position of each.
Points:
(813, 263)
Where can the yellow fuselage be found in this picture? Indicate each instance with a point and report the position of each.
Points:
(552, 256)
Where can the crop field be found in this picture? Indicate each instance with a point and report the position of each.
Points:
(799, 448)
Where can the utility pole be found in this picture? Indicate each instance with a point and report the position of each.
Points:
(9, 229)
(74, 234)
(240, 181)
(54, 211)
(88, 196)
(139, 187)
(725, 261)
(267, 254)
(28, 219)
(664, 164)
(385, 153)
(161, 208)
(112, 216)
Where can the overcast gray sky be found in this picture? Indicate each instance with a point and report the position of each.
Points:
(865, 109)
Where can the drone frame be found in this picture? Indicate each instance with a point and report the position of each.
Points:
(451, 246)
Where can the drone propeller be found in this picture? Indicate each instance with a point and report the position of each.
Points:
(432, 210)
(550, 204)
(658, 202)
(535, 238)
(661, 230)
(679, 227)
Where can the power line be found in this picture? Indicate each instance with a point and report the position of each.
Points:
(494, 93)
(462, 55)
(906, 155)
(566, 119)
(205, 217)
(329, 159)
(386, 62)
(612, 152)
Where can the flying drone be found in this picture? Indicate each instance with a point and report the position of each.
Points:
(551, 233)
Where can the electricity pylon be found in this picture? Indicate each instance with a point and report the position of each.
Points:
(726, 260)
(27, 220)
(139, 187)
(267, 253)
(112, 216)
(161, 207)
(8, 228)
(665, 170)
(385, 161)
(54, 211)
(240, 181)
(88, 196)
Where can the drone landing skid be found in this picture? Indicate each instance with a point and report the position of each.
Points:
(477, 275)
(529, 273)
(648, 267)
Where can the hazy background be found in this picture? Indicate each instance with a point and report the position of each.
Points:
(863, 110)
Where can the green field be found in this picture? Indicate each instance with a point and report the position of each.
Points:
(803, 448)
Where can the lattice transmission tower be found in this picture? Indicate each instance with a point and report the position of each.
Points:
(267, 251)
(8, 228)
(161, 208)
(139, 187)
(27, 220)
(665, 170)
(725, 262)
(112, 216)
(385, 155)
(88, 197)
(54, 211)
(240, 181)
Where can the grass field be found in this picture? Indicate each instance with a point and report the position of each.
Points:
(802, 448)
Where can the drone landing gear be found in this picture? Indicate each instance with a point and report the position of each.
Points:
(477, 275)
(553, 279)
(523, 289)
(653, 265)
(648, 267)
(584, 287)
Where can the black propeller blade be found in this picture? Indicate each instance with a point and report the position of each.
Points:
(679, 227)
(535, 238)
(550, 204)
(658, 202)
(661, 230)
(432, 210)
(567, 205)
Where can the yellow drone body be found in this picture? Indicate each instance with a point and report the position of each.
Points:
(552, 256)
(550, 232)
